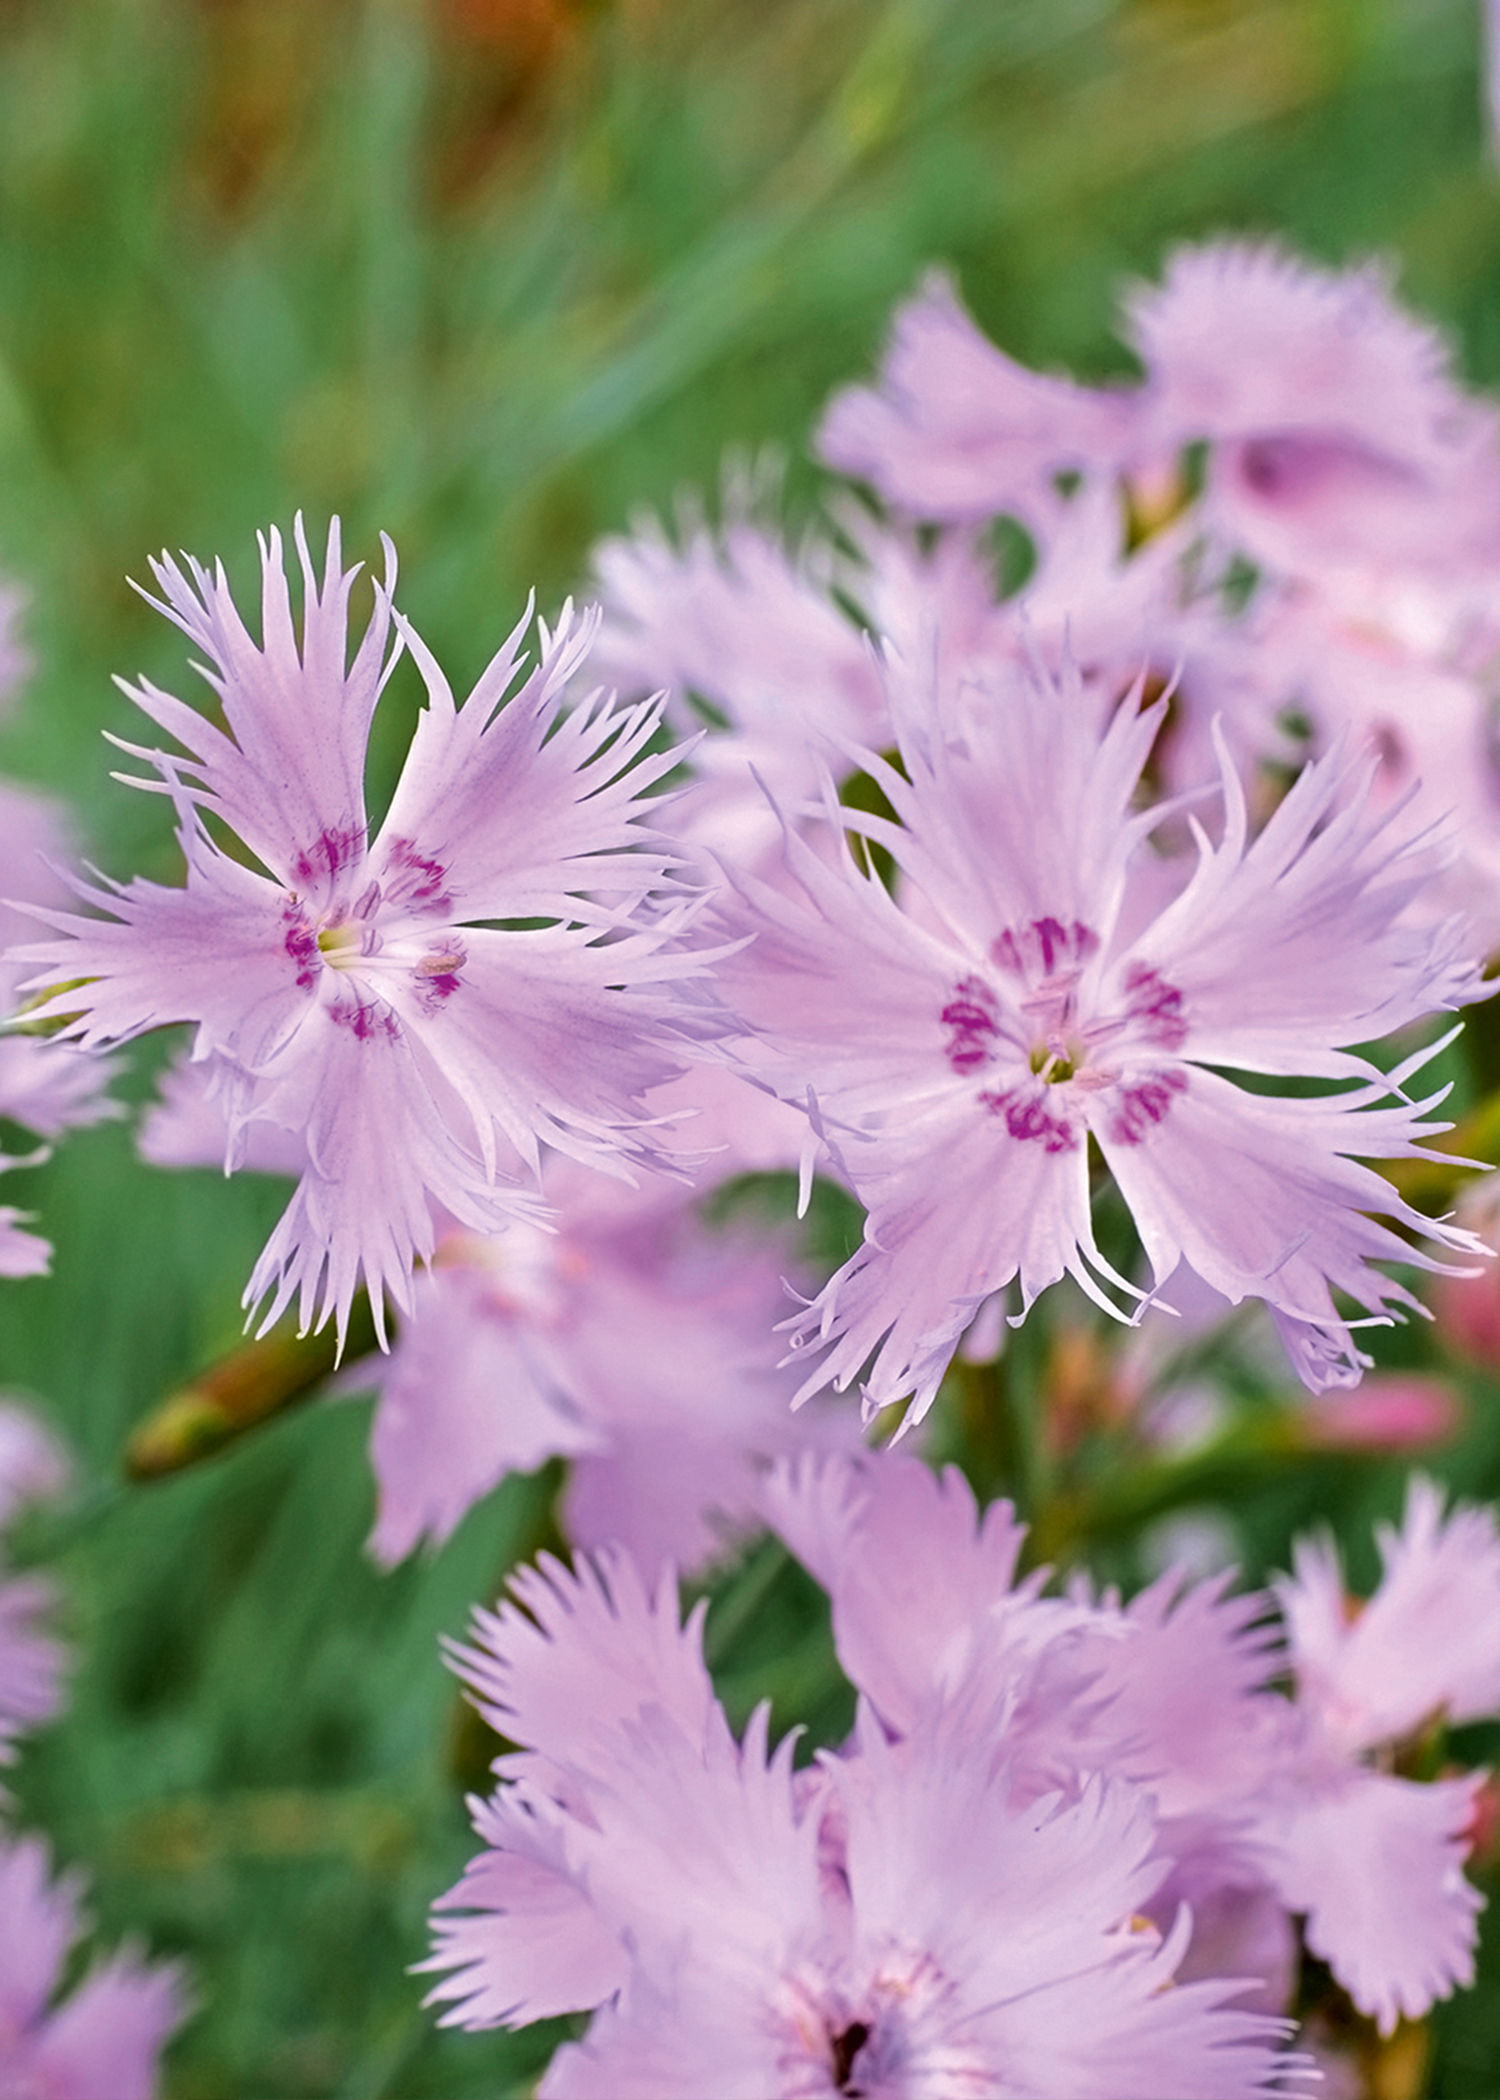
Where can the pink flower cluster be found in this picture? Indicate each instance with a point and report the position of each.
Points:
(1105, 906)
(1096, 922)
(1051, 1807)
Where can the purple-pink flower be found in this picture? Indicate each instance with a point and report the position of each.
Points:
(1269, 1808)
(632, 1339)
(102, 2040)
(496, 969)
(896, 1920)
(1035, 988)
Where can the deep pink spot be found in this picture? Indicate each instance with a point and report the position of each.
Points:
(973, 1017)
(1044, 947)
(1155, 1007)
(366, 1019)
(1139, 1108)
(414, 881)
(302, 947)
(332, 852)
(1028, 1119)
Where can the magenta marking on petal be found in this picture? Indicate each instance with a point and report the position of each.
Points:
(973, 1014)
(333, 852)
(1027, 1118)
(1040, 949)
(1155, 1007)
(414, 881)
(1139, 1108)
(366, 1019)
(302, 947)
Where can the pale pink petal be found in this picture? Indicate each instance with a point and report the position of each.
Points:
(519, 1932)
(1376, 1865)
(35, 838)
(662, 2049)
(1255, 1195)
(1027, 1907)
(192, 1123)
(1342, 432)
(33, 1464)
(1285, 947)
(1427, 1642)
(22, 1253)
(51, 1087)
(289, 775)
(101, 2041)
(956, 429)
(215, 953)
(467, 1396)
(554, 1035)
(39, 1920)
(1183, 1705)
(573, 1654)
(916, 1575)
(378, 1147)
(104, 2041)
(734, 620)
(507, 808)
(31, 1661)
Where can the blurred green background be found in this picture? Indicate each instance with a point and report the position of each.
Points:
(491, 275)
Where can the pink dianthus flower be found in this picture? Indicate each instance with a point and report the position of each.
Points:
(493, 970)
(1027, 991)
(101, 2041)
(894, 1922)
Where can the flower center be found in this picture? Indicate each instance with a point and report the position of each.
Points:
(1052, 1065)
(1019, 1031)
(844, 2048)
(341, 944)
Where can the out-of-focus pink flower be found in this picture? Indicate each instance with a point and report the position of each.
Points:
(102, 2041)
(32, 1468)
(1266, 1807)
(1467, 1308)
(754, 655)
(632, 1340)
(190, 1124)
(896, 1918)
(954, 429)
(1427, 1642)
(420, 1007)
(33, 1465)
(1375, 1861)
(960, 1047)
(925, 1592)
(1399, 663)
(1393, 1411)
(1338, 429)
(45, 1085)
(22, 1253)
(732, 620)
